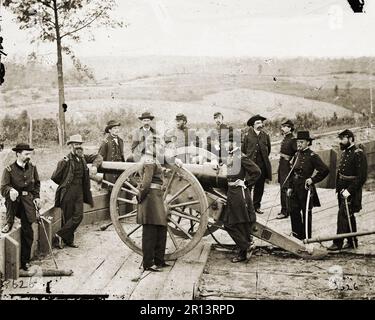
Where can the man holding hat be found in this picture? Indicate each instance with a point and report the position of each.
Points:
(20, 186)
(257, 146)
(112, 148)
(287, 150)
(351, 176)
(218, 136)
(140, 135)
(73, 177)
(304, 164)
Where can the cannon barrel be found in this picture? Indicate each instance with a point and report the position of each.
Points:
(205, 173)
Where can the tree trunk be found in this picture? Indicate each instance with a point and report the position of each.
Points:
(60, 79)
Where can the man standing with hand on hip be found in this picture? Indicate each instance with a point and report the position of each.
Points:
(351, 176)
(72, 176)
(20, 186)
(257, 146)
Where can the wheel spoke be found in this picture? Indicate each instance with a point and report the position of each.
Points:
(186, 216)
(129, 215)
(179, 226)
(135, 190)
(134, 230)
(169, 184)
(126, 200)
(178, 193)
(171, 235)
(189, 203)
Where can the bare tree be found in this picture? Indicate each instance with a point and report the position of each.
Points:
(61, 20)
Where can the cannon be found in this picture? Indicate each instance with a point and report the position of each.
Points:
(194, 197)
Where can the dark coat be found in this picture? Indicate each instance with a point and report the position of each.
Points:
(353, 162)
(112, 151)
(250, 145)
(307, 162)
(239, 208)
(288, 147)
(64, 174)
(21, 179)
(151, 204)
(217, 137)
(138, 142)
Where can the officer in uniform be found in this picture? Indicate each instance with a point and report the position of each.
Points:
(72, 177)
(20, 186)
(287, 150)
(112, 148)
(304, 163)
(140, 135)
(257, 146)
(218, 136)
(239, 214)
(151, 211)
(351, 176)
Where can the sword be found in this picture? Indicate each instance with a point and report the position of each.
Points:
(307, 213)
(45, 234)
(349, 221)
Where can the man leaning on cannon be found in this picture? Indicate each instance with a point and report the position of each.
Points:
(239, 214)
(112, 148)
(72, 177)
(20, 186)
(351, 176)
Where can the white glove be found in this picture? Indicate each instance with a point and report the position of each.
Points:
(345, 193)
(13, 194)
(93, 170)
(178, 162)
(289, 192)
(38, 203)
(308, 183)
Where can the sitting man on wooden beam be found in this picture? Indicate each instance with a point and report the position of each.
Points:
(20, 186)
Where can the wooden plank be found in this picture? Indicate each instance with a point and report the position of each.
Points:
(2, 257)
(183, 279)
(126, 279)
(95, 216)
(103, 275)
(34, 247)
(101, 201)
(12, 258)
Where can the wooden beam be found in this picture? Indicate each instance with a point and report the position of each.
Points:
(12, 258)
(43, 240)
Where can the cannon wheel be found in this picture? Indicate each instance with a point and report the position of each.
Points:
(183, 194)
(205, 156)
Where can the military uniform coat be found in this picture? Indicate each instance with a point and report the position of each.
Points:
(217, 138)
(22, 179)
(112, 149)
(262, 142)
(239, 208)
(151, 204)
(64, 175)
(288, 147)
(307, 162)
(353, 163)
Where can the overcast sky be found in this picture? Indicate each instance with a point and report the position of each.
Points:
(222, 28)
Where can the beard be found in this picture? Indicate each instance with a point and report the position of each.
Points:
(27, 160)
(78, 152)
(344, 146)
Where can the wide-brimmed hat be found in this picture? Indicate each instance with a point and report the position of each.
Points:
(304, 135)
(257, 117)
(146, 115)
(21, 147)
(181, 116)
(77, 138)
(288, 123)
(111, 124)
(346, 133)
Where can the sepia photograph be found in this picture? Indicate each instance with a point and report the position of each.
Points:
(181, 150)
